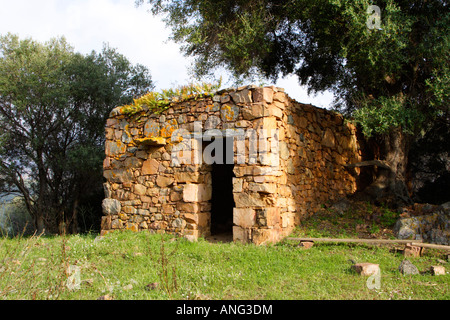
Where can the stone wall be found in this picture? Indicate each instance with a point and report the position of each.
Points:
(156, 179)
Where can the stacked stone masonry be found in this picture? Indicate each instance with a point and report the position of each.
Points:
(155, 182)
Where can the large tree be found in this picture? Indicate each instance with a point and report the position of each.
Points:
(54, 103)
(392, 77)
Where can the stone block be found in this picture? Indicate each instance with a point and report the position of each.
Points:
(241, 234)
(267, 123)
(366, 268)
(244, 217)
(168, 208)
(279, 96)
(196, 192)
(212, 122)
(262, 187)
(412, 251)
(306, 244)
(151, 128)
(129, 210)
(263, 95)
(179, 223)
(114, 148)
(140, 190)
(168, 128)
(272, 216)
(111, 206)
(264, 236)
(150, 166)
(245, 200)
(188, 177)
(106, 223)
(237, 184)
(437, 270)
(116, 224)
(328, 139)
(229, 112)
(242, 96)
(200, 219)
(176, 196)
(163, 181)
(188, 207)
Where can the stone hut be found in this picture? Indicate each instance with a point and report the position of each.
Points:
(249, 161)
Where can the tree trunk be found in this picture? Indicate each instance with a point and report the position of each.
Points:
(389, 185)
(74, 219)
(39, 223)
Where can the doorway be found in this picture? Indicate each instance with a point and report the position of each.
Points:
(222, 201)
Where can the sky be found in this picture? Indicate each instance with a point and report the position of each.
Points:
(137, 34)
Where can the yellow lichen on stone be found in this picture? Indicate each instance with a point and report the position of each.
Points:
(151, 141)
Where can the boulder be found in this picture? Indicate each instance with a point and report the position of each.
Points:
(406, 267)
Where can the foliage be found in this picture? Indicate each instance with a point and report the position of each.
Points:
(14, 218)
(429, 164)
(54, 103)
(397, 75)
(157, 102)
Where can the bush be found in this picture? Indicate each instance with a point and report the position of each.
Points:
(14, 218)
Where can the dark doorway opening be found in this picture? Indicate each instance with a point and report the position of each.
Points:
(222, 201)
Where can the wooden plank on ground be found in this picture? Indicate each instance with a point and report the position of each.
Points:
(381, 241)
(431, 245)
(417, 243)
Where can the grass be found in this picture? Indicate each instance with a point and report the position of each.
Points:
(132, 266)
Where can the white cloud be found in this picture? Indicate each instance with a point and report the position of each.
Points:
(142, 38)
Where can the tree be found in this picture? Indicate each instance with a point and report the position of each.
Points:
(393, 79)
(54, 103)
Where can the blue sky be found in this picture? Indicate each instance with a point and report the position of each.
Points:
(138, 35)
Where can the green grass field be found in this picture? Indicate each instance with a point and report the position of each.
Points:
(129, 266)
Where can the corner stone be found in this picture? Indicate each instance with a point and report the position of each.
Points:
(111, 206)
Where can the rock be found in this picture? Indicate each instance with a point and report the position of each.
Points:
(341, 206)
(245, 200)
(263, 95)
(328, 139)
(212, 122)
(150, 167)
(412, 251)
(366, 268)
(229, 113)
(111, 206)
(196, 193)
(152, 286)
(242, 96)
(406, 267)
(446, 205)
(306, 244)
(284, 150)
(164, 182)
(179, 223)
(244, 217)
(139, 189)
(437, 270)
(118, 175)
(151, 128)
(114, 148)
